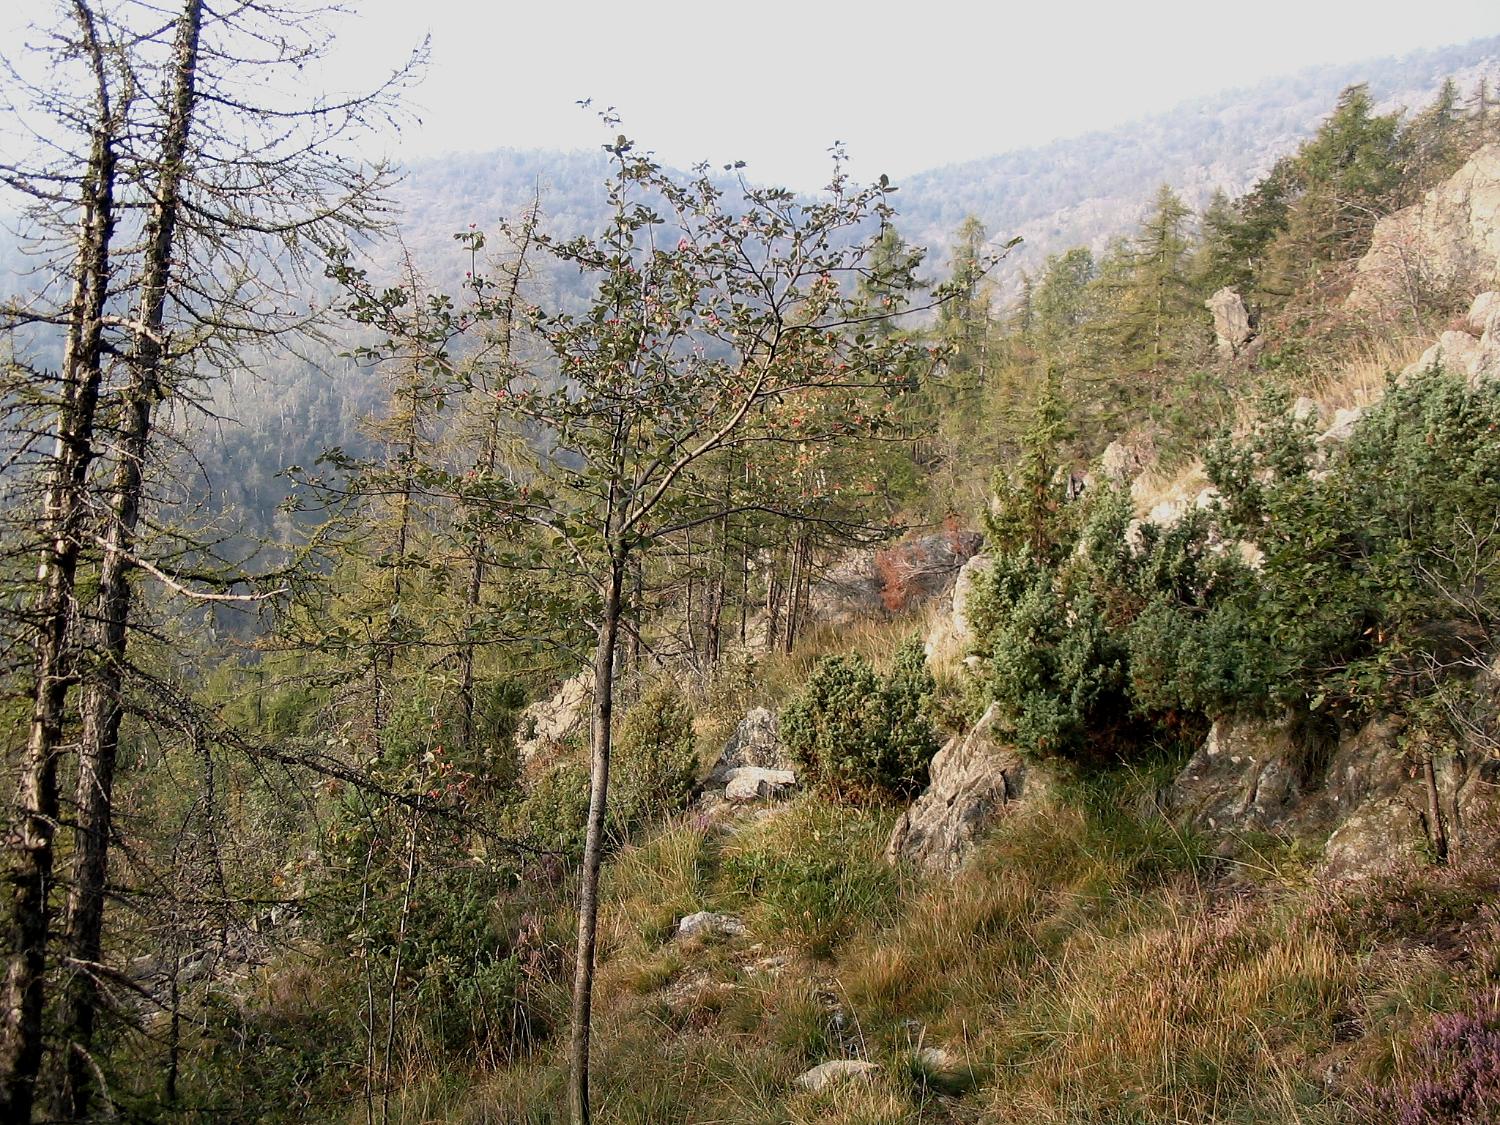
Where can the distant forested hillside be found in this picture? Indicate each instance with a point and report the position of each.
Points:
(1082, 189)
(1074, 191)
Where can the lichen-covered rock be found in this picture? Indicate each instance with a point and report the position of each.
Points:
(1305, 409)
(1231, 322)
(1451, 237)
(1126, 458)
(953, 633)
(937, 1059)
(1455, 352)
(1342, 429)
(706, 923)
(754, 783)
(1484, 313)
(839, 1070)
(1237, 779)
(974, 781)
(754, 743)
(1360, 796)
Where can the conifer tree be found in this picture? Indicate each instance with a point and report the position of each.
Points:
(1347, 176)
(226, 199)
(1154, 300)
(1433, 142)
(1063, 305)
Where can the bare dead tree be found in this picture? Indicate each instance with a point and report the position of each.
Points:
(198, 213)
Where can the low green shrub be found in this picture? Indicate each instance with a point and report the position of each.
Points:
(654, 764)
(857, 733)
(1376, 566)
(554, 813)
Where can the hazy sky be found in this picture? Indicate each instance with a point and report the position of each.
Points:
(905, 86)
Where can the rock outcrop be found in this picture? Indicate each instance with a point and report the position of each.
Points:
(546, 723)
(1475, 353)
(1231, 322)
(1128, 457)
(1345, 420)
(1451, 238)
(753, 766)
(1360, 796)
(754, 783)
(754, 743)
(953, 633)
(880, 583)
(974, 781)
(1484, 314)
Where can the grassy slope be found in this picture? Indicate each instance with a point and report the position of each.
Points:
(1091, 965)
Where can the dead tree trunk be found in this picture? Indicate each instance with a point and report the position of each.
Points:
(29, 875)
(99, 745)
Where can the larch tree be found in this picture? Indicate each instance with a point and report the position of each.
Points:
(85, 186)
(1157, 295)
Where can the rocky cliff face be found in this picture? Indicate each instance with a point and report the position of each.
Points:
(879, 583)
(1366, 797)
(1450, 240)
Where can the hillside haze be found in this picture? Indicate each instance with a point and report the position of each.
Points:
(1074, 191)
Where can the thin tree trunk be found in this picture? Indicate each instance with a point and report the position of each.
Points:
(29, 875)
(718, 590)
(775, 595)
(487, 461)
(797, 587)
(687, 612)
(637, 604)
(1435, 823)
(593, 849)
(745, 574)
(101, 713)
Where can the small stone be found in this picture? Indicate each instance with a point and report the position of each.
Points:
(936, 1059)
(705, 923)
(839, 1070)
(753, 783)
(1305, 409)
(1342, 429)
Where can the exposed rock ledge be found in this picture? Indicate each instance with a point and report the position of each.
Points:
(1450, 238)
(1360, 797)
(975, 780)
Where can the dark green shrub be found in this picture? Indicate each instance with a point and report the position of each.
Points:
(654, 766)
(1055, 668)
(1379, 564)
(554, 813)
(910, 740)
(856, 733)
